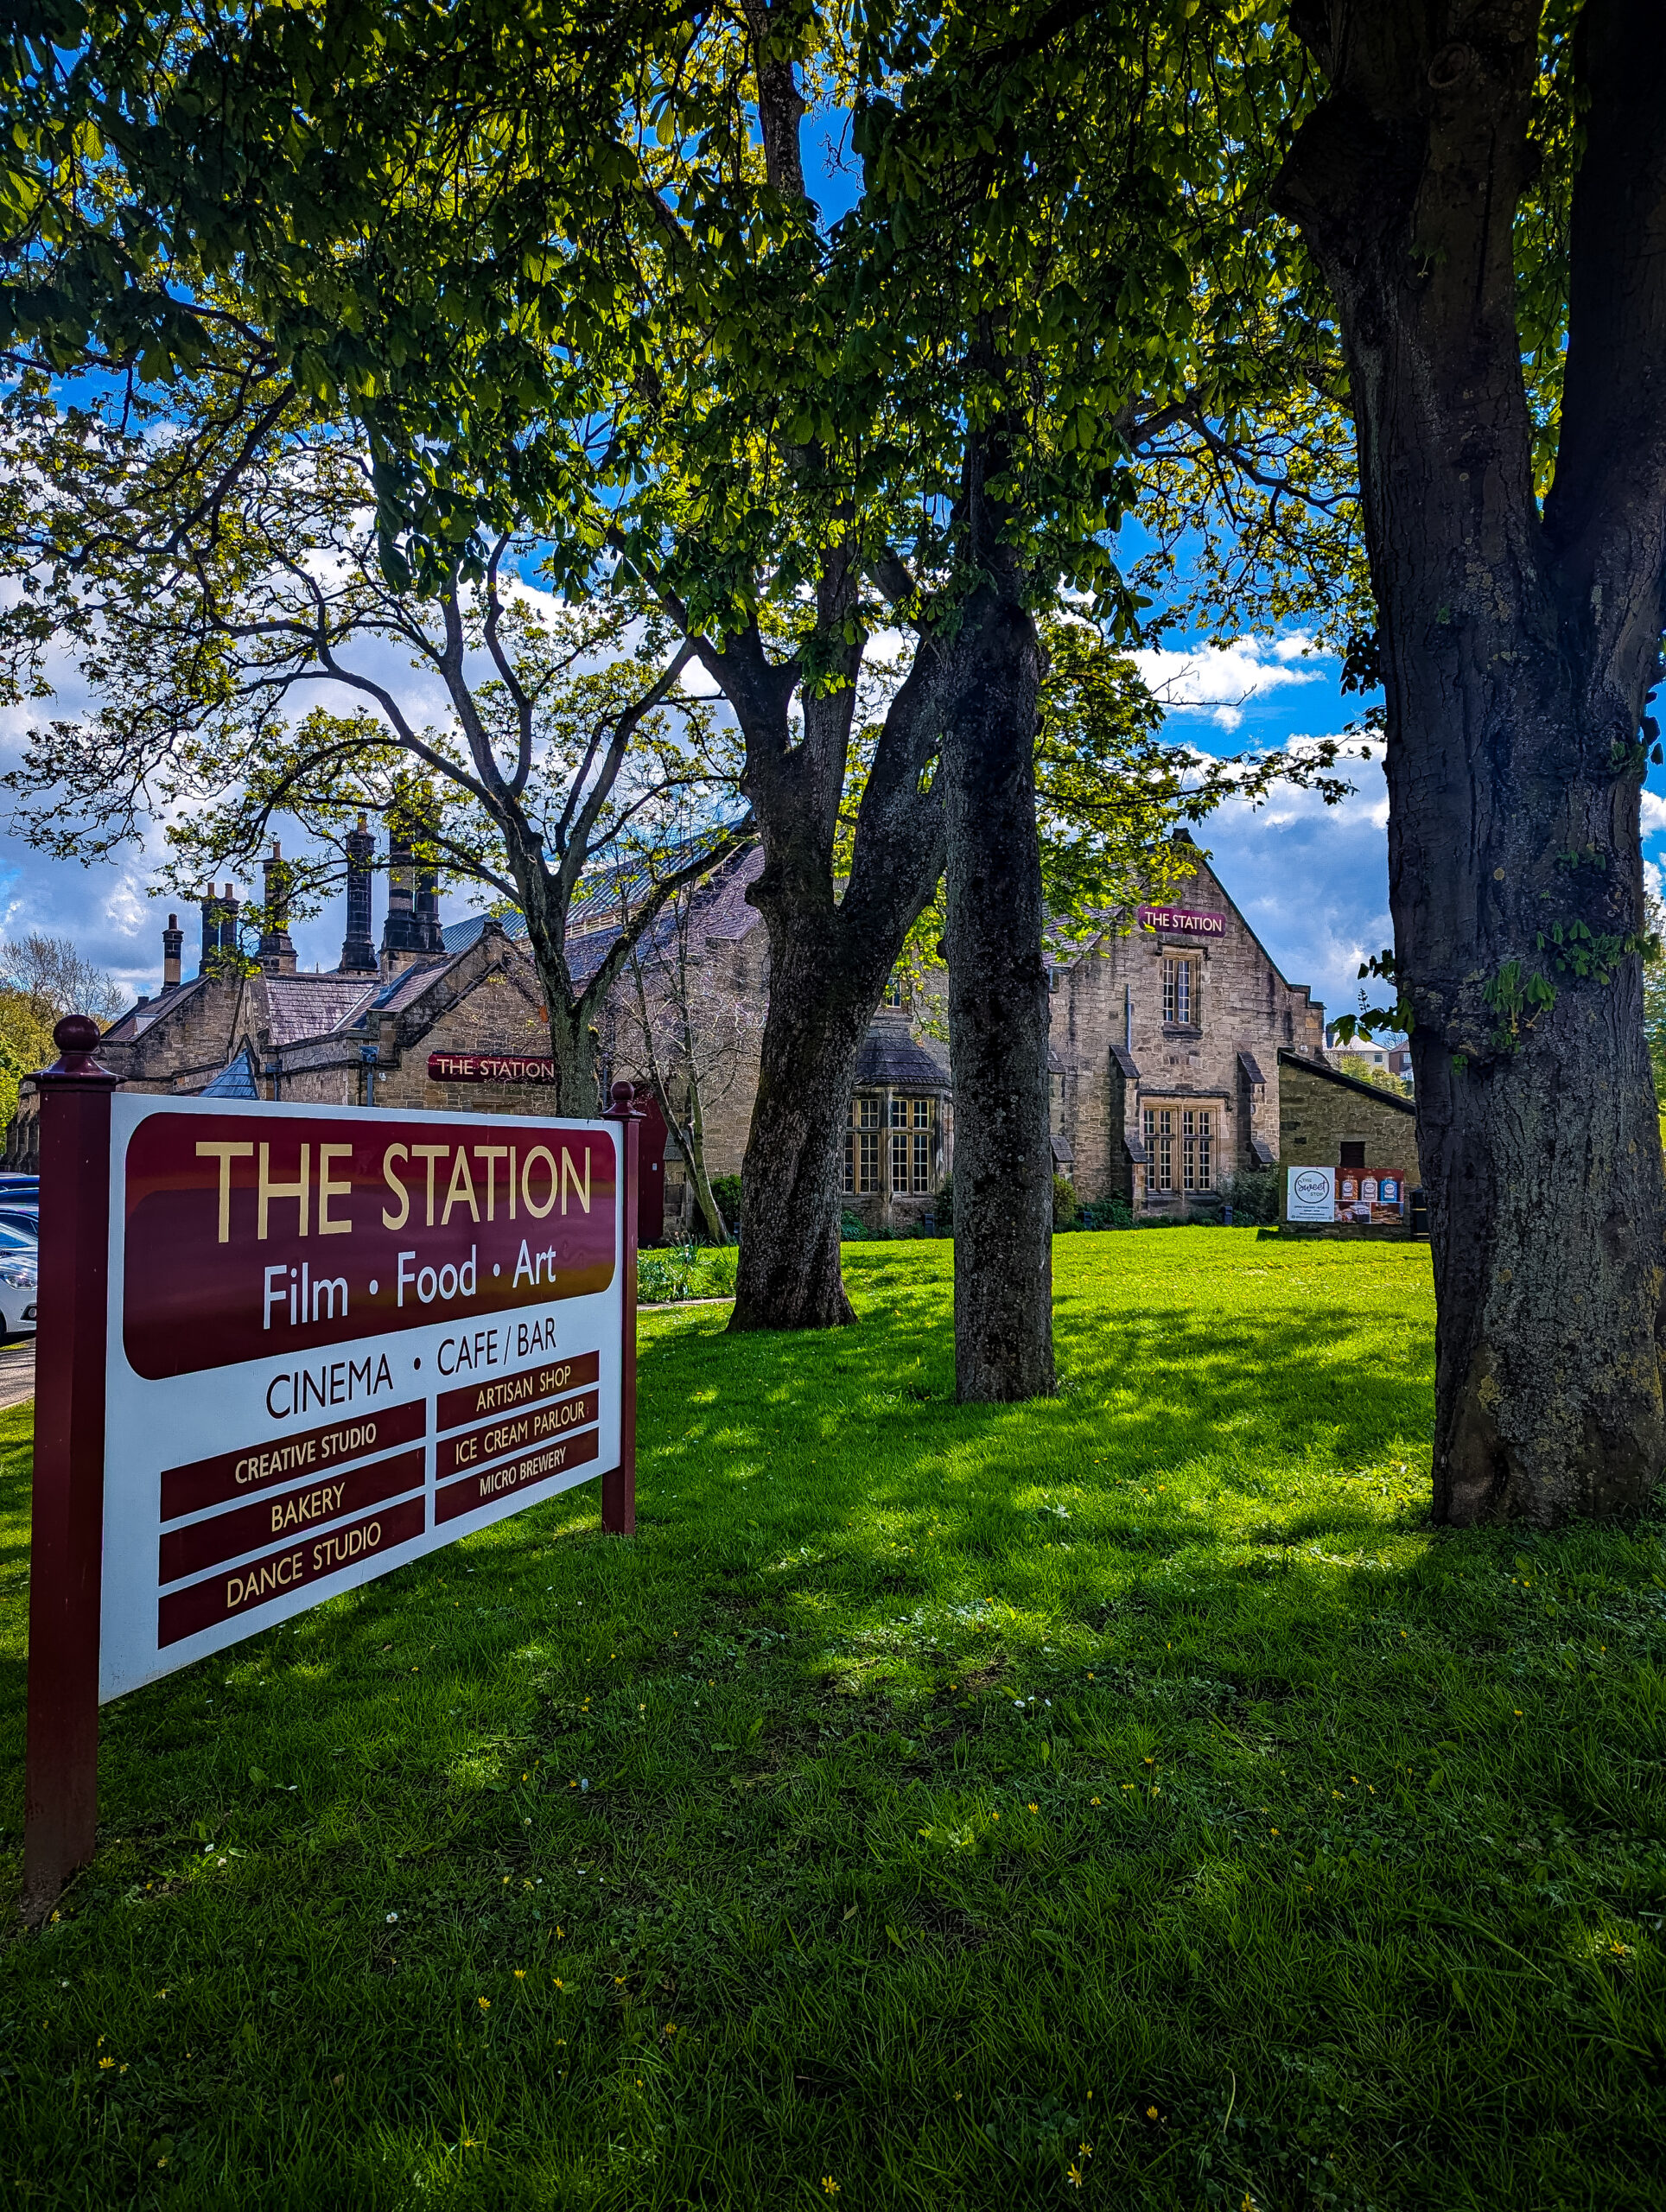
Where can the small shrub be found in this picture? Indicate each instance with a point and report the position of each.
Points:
(1107, 1213)
(853, 1229)
(685, 1271)
(1065, 1208)
(726, 1189)
(1252, 1193)
(663, 1276)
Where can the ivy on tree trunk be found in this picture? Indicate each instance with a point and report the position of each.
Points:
(1518, 648)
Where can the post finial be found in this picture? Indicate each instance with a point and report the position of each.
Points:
(624, 1108)
(76, 1037)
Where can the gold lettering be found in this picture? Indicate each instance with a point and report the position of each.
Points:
(491, 1153)
(328, 1189)
(581, 1190)
(430, 1152)
(268, 1190)
(395, 1220)
(225, 1153)
(538, 1152)
(461, 1192)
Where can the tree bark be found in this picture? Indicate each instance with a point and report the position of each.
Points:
(1517, 654)
(830, 956)
(998, 1011)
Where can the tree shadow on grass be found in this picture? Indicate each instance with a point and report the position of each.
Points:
(1263, 1815)
(868, 1420)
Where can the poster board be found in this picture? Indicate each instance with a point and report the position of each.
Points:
(1373, 1198)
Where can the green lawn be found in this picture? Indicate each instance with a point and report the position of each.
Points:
(926, 1794)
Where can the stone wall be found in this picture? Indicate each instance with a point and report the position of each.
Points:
(1115, 1053)
(1320, 1110)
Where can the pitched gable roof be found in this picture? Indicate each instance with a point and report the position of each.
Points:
(301, 1007)
(1326, 1073)
(134, 1023)
(235, 1080)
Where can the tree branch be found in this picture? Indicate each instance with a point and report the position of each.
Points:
(1606, 514)
(729, 842)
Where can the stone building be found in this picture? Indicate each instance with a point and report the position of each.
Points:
(1363, 1141)
(1167, 1041)
(380, 1029)
(1165, 1048)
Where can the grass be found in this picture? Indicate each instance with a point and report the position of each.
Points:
(668, 1273)
(928, 1793)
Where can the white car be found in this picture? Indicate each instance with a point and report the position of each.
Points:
(19, 1281)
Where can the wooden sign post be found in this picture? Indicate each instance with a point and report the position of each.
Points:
(283, 1350)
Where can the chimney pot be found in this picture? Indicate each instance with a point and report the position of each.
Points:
(172, 945)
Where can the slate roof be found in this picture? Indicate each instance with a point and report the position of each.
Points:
(889, 1055)
(312, 1006)
(410, 983)
(457, 936)
(235, 1080)
(138, 1019)
(723, 911)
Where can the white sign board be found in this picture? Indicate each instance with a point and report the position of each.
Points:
(1311, 1194)
(338, 1339)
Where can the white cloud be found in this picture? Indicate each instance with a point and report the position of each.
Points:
(1220, 681)
(1312, 879)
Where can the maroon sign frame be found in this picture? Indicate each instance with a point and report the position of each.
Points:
(293, 1496)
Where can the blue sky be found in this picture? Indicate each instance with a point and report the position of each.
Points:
(1312, 879)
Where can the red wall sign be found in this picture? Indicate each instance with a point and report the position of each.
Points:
(489, 1067)
(283, 1350)
(1182, 921)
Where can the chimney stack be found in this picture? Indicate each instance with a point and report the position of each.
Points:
(359, 951)
(218, 929)
(412, 928)
(277, 950)
(173, 944)
(425, 920)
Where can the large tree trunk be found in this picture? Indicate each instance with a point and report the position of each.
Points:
(789, 1273)
(830, 956)
(573, 1048)
(998, 1001)
(1517, 657)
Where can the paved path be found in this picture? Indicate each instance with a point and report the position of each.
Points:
(17, 1371)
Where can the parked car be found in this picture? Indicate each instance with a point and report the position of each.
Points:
(25, 1219)
(20, 1281)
